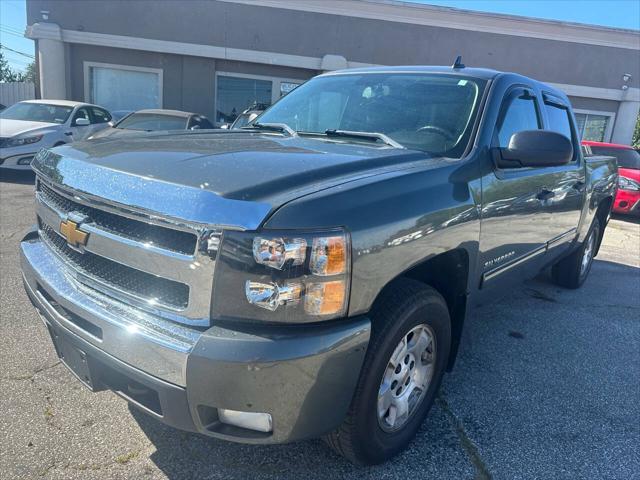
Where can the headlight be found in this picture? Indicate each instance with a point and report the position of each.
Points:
(16, 142)
(625, 183)
(281, 276)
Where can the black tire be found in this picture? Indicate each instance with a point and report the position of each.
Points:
(404, 305)
(568, 272)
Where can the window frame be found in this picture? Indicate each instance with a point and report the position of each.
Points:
(87, 66)
(610, 123)
(275, 86)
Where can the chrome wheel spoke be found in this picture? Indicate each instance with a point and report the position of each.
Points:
(407, 377)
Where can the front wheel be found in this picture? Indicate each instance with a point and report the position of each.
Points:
(401, 374)
(572, 271)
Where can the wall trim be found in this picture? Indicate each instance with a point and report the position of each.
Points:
(45, 31)
(446, 17)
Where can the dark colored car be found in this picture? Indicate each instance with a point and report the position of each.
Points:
(627, 201)
(156, 120)
(311, 275)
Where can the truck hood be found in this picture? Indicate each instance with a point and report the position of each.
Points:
(215, 177)
(11, 128)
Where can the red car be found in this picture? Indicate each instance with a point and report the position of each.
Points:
(628, 198)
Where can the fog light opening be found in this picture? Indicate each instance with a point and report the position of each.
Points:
(260, 422)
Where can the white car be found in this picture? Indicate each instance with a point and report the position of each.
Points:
(28, 126)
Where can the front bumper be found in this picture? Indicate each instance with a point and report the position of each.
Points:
(17, 158)
(303, 376)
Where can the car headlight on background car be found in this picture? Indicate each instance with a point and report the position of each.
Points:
(19, 141)
(625, 183)
(282, 277)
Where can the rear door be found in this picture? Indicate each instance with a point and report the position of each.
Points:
(523, 208)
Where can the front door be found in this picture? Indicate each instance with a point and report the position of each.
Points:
(525, 209)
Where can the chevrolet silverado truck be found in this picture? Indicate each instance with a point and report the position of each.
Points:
(310, 276)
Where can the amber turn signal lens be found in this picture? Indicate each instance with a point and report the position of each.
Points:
(329, 256)
(325, 298)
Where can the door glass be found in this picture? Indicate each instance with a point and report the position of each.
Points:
(117, 89)
(236, 94)
(559, 120)
(100, 116)
(81, 113)
(521, 114)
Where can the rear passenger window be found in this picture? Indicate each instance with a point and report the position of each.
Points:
(559, 119)
(100, 116)
(519, 113)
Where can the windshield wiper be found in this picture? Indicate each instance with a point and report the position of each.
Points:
(274, 127)
(370, 135)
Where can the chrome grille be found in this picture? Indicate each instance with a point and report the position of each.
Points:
(117, 276)
(167, 238)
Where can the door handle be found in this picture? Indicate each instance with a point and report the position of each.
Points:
(68, 133)
(545, 194)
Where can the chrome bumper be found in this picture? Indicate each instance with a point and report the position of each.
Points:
(304, 376)
(158, 347)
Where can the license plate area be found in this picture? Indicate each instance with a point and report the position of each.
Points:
(73, 358)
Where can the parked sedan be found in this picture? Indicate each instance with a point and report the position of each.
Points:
(28, 126)
(627, 200)
(156, 119)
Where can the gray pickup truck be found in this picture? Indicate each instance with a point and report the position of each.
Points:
(310, 275)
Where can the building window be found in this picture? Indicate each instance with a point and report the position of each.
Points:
(287, 87)
(123, 88)
(594, 127)
(236, 92)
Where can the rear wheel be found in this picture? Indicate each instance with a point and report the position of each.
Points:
(401, 374)
(572, 271)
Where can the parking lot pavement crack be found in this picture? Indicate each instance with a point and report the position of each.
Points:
(481, 469)
(30, 376)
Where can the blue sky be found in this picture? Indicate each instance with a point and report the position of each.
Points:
(612, 13)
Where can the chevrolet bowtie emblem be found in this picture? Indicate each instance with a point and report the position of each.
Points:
(75, 237)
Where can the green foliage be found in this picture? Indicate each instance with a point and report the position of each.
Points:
(636, 134)
(7, 74)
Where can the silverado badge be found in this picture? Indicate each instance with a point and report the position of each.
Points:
(71, 231)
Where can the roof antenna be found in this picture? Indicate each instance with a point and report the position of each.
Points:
(458, 63)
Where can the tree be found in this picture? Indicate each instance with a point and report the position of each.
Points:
(7, 74)
(636, 134)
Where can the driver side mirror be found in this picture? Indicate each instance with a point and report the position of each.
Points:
(81, 122)
(225, 126)
(535, 148)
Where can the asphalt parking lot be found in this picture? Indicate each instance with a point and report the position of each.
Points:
(547, 385)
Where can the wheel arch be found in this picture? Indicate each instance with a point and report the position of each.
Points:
(448, 273)
(602, 214)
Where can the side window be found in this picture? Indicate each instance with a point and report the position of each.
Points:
(205, 123)
(558, 119)
(519, 112)
(81, 113)
(100, 115)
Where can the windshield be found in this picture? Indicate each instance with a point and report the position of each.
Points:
(626, 158)
(152, 121)
(37, 112)
(432, 113)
